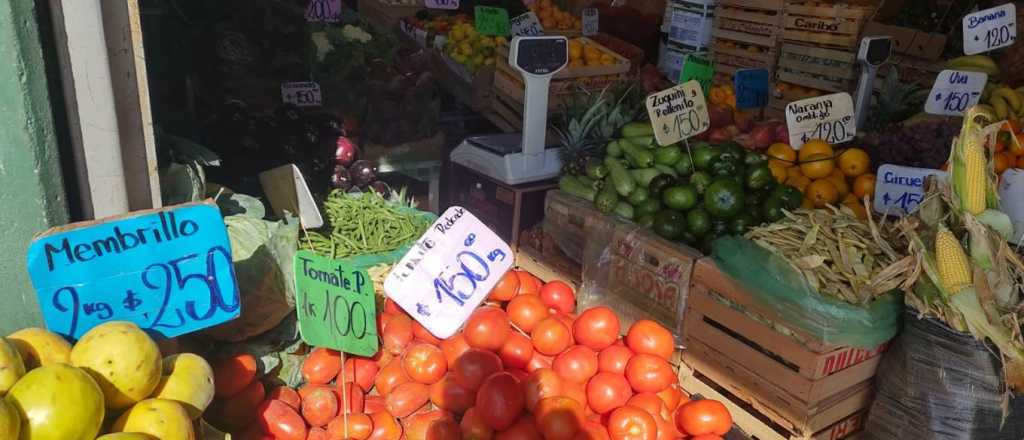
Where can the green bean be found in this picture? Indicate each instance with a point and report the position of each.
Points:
(361, 225)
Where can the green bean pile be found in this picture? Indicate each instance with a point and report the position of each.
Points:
(363, 225)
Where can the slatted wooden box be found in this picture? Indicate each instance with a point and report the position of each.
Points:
(746, 35)
(820, 24)
(830, 70)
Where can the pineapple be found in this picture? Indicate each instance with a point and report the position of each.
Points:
(589, 120)
(895, 102)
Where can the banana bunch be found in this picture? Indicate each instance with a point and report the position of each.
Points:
(974, 63)
(1005, 102)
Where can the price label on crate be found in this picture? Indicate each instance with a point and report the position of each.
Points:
(990, 29)
(828, 117)
(441, 4)
(449, 271)
(302, 94)
(335, 305)
(491, 21)
(751, 88)
(899, 189)
(698, 68)
(954, 92)
(168, 270)
(678, 113)
(526, 25)
(590, 22)
(323, 11)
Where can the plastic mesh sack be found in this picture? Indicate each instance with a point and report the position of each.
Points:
(778, 286)
(936, 383)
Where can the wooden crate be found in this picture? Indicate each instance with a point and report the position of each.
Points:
(506, 209)
(770, 5)
(538, 255)
(830, 70)
(745, 38)
(838, 25)
(572, 221)
(385, 17)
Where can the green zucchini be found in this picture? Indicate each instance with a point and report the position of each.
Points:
(574, 186)
(666, 170)
(634, 129)
(612, 149)
(643, 141)
(621, 180)
(624, 210)
(607, 199)
(595, 169)
(637, 156)
(590, 183)
(643, 176)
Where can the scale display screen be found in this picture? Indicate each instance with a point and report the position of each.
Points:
(542, 56)
(878, 51)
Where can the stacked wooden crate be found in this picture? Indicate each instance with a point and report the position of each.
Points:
(746, 35)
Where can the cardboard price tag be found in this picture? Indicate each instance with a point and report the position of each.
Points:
(678, 113)
(591, 22)
(491, 21)
(827, 117)
(954, 92)
(990, 29)
(899, 189)
(302, 94)
(441, 4)
(335, 304)
(167, 270)
(325, 11)
(527, 25)
(449, 271)
(751, 88)
(698, 68)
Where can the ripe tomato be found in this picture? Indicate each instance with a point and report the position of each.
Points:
(667, 429)
(320, 407)
(646, 336)
(254, 432)
(541, 384)
(352, 426)
(507, 288)
(407, 398)
(431, 425)
(309, 388)
(390, 306)
(424, 363)
(593, 431)
(706, 437)
(321, 366)
(607, 391)
(391, 376)
(597, 328)
(419, 332)
(286, 395)
(525, 311)
(231, 375)
(475, 427)
(651, 403)
(559, 296)
(577, 392)
(538, 361)
(500, 400)
(649, 373)
(352, 399)
(453, 348)
(569, 320)
(359, 370)
(385, 426)
(279, 419)
(448, 395)
(551, 336)
(372, 404)
(474, 367)
(487, 328)
(397, 334)
(316, 433)
(517, 351)
(614, 359)
(672, 396)
(528, 284)
(240, 409)
(525, 428)
(577, 364)
(705, 416)
(632, 423)
(559, 418)
(520, 375)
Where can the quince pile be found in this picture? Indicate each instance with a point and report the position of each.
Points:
(554, 18)
(470, 48)
(582, 54)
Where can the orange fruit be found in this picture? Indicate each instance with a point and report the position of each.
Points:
(798, 182)
(782, 153)
(822, 192)
(853, 162)
(778, 171)
(848, 199)
(816, 166)
(864, 185)
(1003, 161)
(794, 172)
(807, 203)
(840, 183)
(815, 147)
(858, 210)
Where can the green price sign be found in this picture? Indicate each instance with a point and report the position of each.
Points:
(336, 305)
(696, 67)
(491, 21)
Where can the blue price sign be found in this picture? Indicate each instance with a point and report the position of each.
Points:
(751, 88)
(167, 270)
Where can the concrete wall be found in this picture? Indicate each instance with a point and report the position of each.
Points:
(31, 188)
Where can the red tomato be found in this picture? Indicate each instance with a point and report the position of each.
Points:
(578, 392)
(541, 384)
(419, 332)
(424, 363)
(487, 328)
(431, 425)
(474, 367)
(453, 348)
(648, 373)
(320, 407)
(525, 428)
(351, 426)
(597, 328)
(705, 416)
(614, 359)
(551, 336)
(520, 375)
(353, 401)
(593, 431)
(559, 296)
(392, 307)
(500, 400)
(391, 376)
(373, 404)
(538, 361)
(448, 395)
(528, 284)
(706, 437)
(279, 419)
(475, 427)
(577, 364)
(407, 398)
(667, 429)
(646, 336)
(607, 391)
(671, 396)
(316, 433)
(254, 432)
(559, 418)
(525, 311)
(517, 351)
(385, 426)
(309, 388)
(286, 395)
(651, 403)
(507, 288)
(240, 409)
(569, 320)
(397, 334)
(632, 423)
(321, 366)
(359, 370)
(231, 375)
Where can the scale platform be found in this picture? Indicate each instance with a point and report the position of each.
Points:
(500, 157)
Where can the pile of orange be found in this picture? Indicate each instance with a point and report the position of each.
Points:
(825, 177)
(554, 18)
(587, 53)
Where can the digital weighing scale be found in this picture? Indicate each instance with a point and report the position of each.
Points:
(873, 52)
(515, 158)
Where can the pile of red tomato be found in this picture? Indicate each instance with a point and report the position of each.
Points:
(523, 367)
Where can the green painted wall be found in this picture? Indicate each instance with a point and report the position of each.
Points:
(31, 188)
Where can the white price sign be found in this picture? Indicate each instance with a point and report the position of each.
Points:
(526, 25)
(441, 4)
(990, 29)
(828, 117)
(449, 271)
(954, 92)
(899, 189)
(590, 21)
(678, 113)
(302, 94)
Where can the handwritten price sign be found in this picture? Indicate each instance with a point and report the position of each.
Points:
(449, 271)
(678, 113)
(697, 68)
(954, 91)
(335, 305)
(327, 11)
(441, 4)
(302, 94)
(167, 270)
(491, 21)
(990, 29)
(591, 22)
(828, 117)
(527, 25)
(751, 88)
